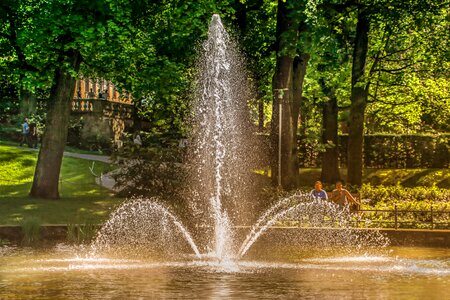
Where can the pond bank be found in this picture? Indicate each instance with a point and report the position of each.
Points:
(399, 237)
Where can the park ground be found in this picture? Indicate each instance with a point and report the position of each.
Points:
(83, 201)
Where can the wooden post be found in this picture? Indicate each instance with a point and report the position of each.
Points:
(395, 216)
(432, 221)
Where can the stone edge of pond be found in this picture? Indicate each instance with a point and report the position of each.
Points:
(56, 233)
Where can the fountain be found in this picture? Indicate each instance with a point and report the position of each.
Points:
(146, 250)
(222, 143)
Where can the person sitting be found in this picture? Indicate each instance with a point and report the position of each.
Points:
(318, 192)
(342, 197)
(317, 213)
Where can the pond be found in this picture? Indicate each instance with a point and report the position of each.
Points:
(67, 272)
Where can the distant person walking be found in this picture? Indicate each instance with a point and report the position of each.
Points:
(342, 197)
(318, 192)
(25, 133)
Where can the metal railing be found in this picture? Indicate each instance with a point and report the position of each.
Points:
(403, 218)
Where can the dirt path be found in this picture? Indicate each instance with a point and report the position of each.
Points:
(94, 157)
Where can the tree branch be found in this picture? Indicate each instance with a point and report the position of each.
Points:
(378, 100)
(396, 70)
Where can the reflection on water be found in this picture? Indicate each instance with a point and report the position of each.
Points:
(400, 273)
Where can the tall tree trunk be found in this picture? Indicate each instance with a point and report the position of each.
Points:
(299, 72)
(330, 158)
(358, 101)
(287, 36)
(46, 175)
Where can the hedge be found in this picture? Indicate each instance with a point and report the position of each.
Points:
(387, 151)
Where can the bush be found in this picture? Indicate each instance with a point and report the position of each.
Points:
(31, 230)
(149, 172)
(419, 198)
(81, 234)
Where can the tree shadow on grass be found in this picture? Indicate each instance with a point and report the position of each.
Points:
(413, 181)
(15, 190)
(444, 183)
(65, 210)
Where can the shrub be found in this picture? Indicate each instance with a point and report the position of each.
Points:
(150, 172)
(81, 233)
(31, 230)
(417, 198)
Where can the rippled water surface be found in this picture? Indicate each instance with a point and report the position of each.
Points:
(68, 273)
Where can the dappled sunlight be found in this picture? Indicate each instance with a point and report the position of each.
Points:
(30, 206)
(102, 213)
(102, 203)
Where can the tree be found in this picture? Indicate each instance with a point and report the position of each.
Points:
(287, 88)
(358, 97)
(329, 84)
(330, 159)
(389, 16)
(51, 39)
(410, 84)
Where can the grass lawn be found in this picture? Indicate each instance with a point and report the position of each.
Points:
(82, 201)
(67, 148)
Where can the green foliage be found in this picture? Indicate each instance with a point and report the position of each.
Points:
(410, 73)
(155, 60)
(407, 69)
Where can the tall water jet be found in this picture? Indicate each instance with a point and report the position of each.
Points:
(221, 137)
